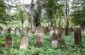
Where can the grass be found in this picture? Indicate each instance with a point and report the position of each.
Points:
(46, 49)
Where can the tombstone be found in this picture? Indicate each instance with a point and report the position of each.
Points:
(8, 39)
(77, 36)
(39, 37)
(17, 31)
(56, 38)
(24, 43)
(1, 30)
(60, 38)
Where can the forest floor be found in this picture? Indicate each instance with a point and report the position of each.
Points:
(46, 49)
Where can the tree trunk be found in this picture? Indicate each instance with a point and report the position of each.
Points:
(67, 18)
(66, 28)
(32, 15)
(22, 26)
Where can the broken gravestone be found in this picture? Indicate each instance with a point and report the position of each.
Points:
(8, 39)
(39, 37)
(24, 43)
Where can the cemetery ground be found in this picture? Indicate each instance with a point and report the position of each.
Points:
(46, 49)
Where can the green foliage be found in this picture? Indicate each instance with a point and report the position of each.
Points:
(20, 14)
(3, 15)
(46, 49)
(54, 10)
(79, 17)
(78, 14)
(37, 16)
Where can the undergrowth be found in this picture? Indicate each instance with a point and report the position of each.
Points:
(46, 49)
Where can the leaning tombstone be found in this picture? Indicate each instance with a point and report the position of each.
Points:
(24, 43)
(8, 39)
(77, 35)
(17, 31)
(39, 37)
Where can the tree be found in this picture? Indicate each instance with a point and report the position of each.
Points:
(78, 16)
(51, 8)
(67, 16)
(32, 15)
(20, 15)
(37, 16)
(3, 15)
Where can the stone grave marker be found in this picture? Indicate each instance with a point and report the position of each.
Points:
(54, 40)
(60, 38)
(24, 43)
(39, 37)
(77, 36)
(8, 39)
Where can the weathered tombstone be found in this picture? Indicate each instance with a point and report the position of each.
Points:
(60, 38)
(56, 38)
(8, 39)
(77, 36)
(39, 37)
(17, 31)
(24, 43)
(1, 30)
